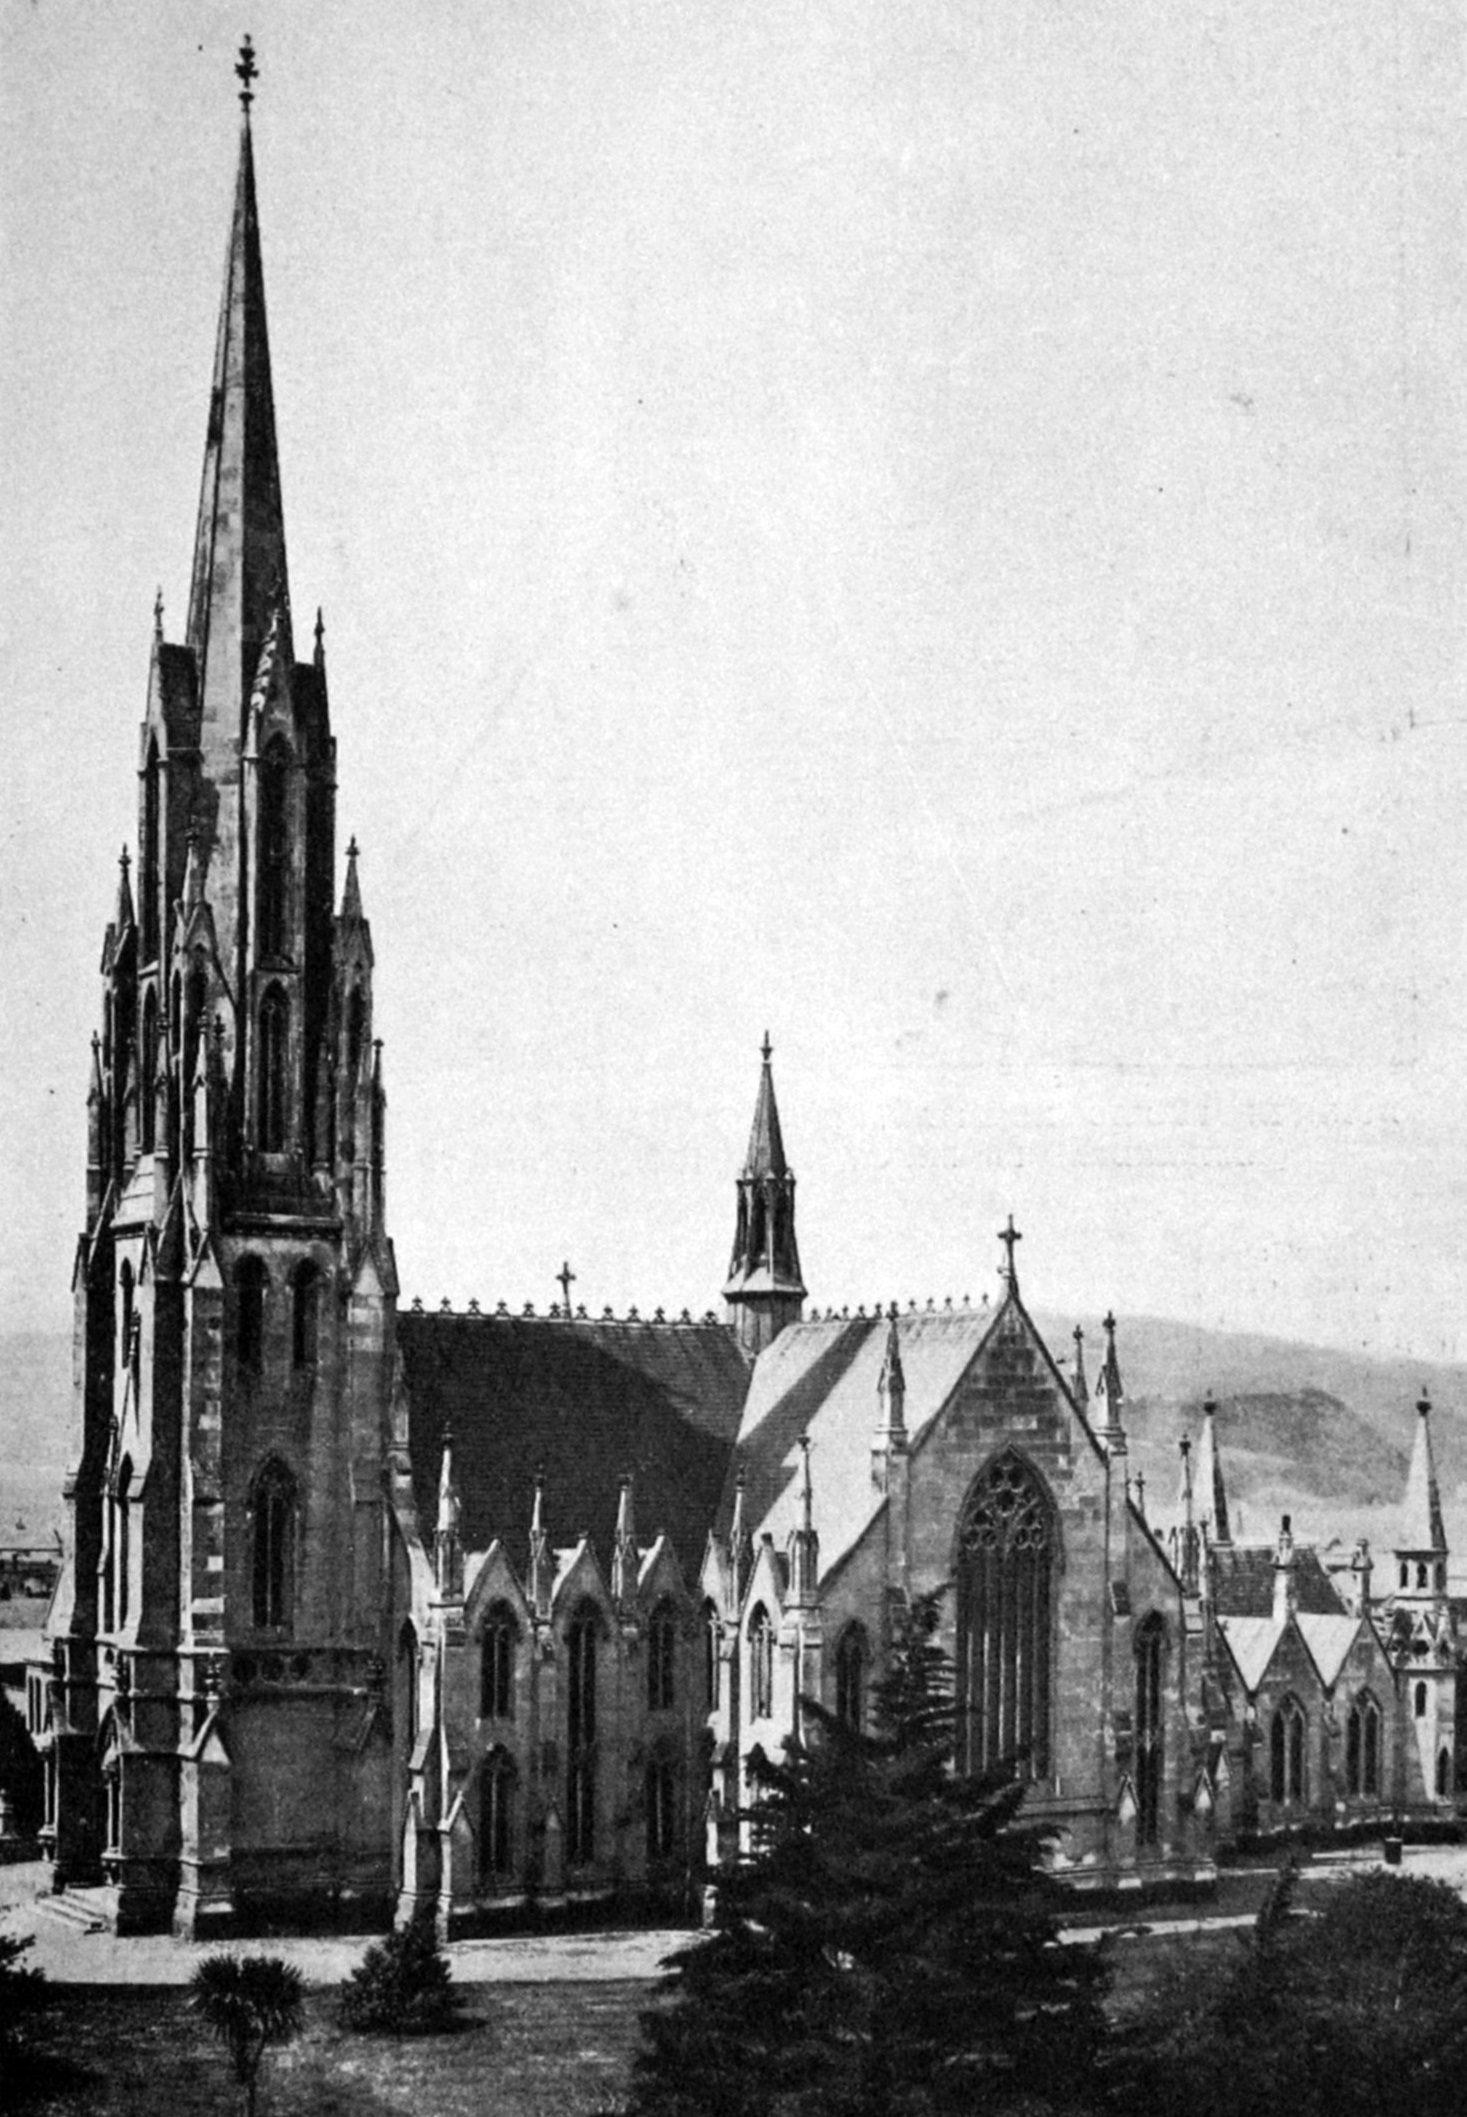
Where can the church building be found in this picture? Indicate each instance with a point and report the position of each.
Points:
(365, 1611)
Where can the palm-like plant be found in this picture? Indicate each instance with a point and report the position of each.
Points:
(249, 2002)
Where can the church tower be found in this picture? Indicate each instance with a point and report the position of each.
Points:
(1423, 1633)
(218, 1745)
(764, 1290)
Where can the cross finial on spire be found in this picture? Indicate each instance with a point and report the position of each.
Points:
(565, 1279)
(766, 1049)
(1008, 1237)
(247, 71)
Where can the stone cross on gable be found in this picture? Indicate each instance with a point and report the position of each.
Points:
(565, 1279)
(1008, 1237)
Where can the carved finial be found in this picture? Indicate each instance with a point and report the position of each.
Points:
(565, 1279)
(766, 1049)
(320, 633)
(158, 612)
(247, 71)
(124, 861)
(1008, 1237)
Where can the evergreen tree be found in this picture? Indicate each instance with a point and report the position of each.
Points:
(403, 1985)
(889, 1950)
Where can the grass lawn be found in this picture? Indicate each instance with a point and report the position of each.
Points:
(559, 2050)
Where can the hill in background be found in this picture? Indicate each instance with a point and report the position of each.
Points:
(1306, 1430)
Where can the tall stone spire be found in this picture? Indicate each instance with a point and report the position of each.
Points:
(239, 571)
(764, 1290)
(1423, 1532)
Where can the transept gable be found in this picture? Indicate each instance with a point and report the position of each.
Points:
(660, 1575)
(492, 1578)
(579, 1579)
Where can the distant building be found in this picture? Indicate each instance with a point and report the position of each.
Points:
(363, 1611)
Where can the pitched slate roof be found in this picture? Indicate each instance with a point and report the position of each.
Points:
(821, 1378)
(587, 1402)
(1243, 1579)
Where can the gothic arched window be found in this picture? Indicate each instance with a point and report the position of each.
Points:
(1443, 1773)
(274, 1069)
(661, 1798)
(274, 846)
(661, 1657)
(122, 1542)
(712, 1655)
(1150, 1648)
(1005, 1568)
(250, 1282)
(496, 1663)
(1362, 1747)
(852, 1655)
(496, 1818)
(305, 1317)
(761, 1665)
(1420, 1701)
(580, 1830)
(148, 1087)
(1286, 1752)
(148, 865)
(272, 1512)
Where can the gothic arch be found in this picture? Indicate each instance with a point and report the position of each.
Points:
(498, 1786)
(498, 1641)
(662, 1656)
(1363, 1747)
(274, 843)
(251, 1279)
(1150, 1651)
(852, 1668)
(1006, 1559)
(582, 1647)
(761, 1663)
(273, 1527)
(305, 1314)
(274, 1071)
(1286, 1742)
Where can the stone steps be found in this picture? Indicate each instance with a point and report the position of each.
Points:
(84, 1910)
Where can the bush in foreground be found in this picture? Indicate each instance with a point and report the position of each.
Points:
(1356, 2010)
(403, 1985)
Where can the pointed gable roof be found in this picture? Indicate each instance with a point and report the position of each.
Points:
(822, 1377)
(1210, 1497)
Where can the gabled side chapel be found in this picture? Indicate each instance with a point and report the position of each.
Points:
(365, 1611)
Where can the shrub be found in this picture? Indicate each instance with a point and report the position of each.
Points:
(403, 1985)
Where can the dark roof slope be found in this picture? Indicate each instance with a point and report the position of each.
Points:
(587, 1403)
(1244, 1582)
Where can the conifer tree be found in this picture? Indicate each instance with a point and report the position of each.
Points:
(889, 1948)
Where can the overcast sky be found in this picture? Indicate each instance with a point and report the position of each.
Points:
(934, 529)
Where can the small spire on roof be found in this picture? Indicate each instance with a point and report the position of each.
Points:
(125, 915)
(351, 889)
(1079, 1387)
